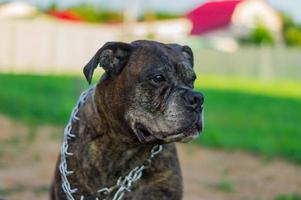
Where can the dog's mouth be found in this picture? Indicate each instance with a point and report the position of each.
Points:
(186, 134)
(143, 134)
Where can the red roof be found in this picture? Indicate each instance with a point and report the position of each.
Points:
(66, 15)
(212, 15)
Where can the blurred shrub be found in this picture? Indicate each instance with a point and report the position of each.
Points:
(287, 21)
(159, 15)
(260, 35)
(167, 15)
(52, 7)
(90, 13)
(291, 31)
(292, 36)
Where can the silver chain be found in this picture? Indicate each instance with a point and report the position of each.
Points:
(122, 185)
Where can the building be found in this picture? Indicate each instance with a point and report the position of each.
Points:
(17, 9)
(228, 20)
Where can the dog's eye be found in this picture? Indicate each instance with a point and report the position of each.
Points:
(158, 79)
(191, 82)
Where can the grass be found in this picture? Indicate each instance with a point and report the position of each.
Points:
(20, 188)
(279, 88)
(39, 99)
(225, 185)
(289, 197)
(11, 190)
(255, 122)
(240, 114)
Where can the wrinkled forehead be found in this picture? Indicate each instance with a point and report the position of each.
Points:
(162, 58)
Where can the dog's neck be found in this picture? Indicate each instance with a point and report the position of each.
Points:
(99, 160)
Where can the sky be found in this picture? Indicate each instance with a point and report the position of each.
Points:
(292, 7)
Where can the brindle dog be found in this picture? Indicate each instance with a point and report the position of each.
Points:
(145, 97)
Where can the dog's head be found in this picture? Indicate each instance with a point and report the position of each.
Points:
(147, 90)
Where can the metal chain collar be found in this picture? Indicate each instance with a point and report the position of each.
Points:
(122, 185)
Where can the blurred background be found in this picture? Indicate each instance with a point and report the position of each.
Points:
(248, 61)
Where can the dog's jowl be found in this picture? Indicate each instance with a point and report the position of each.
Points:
(145, 99)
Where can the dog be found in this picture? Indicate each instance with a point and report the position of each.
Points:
(144, 98)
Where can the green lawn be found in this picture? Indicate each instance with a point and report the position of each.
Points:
(39, 99)
(246, 114)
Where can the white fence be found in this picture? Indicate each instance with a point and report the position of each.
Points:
(46, 46)
(43, 45)
(265, 62)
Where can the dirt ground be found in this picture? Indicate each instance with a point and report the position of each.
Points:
(28, 156)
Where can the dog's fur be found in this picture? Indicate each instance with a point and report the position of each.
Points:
(145, 97)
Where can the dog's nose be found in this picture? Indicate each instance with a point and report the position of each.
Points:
(194, 99)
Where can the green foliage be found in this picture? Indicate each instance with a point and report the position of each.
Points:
(291, 32)
(167, 15)
(160, 15)
(287, 21)
(260, 35)
(293, 36)
(52, 7)
(90, 13)
(289, 197)
(235, 119)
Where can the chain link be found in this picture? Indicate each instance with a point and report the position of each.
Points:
(123, 184)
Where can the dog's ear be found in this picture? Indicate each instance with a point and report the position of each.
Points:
(112, 57)
(187, 52)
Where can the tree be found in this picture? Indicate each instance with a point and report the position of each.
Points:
(258, 36)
